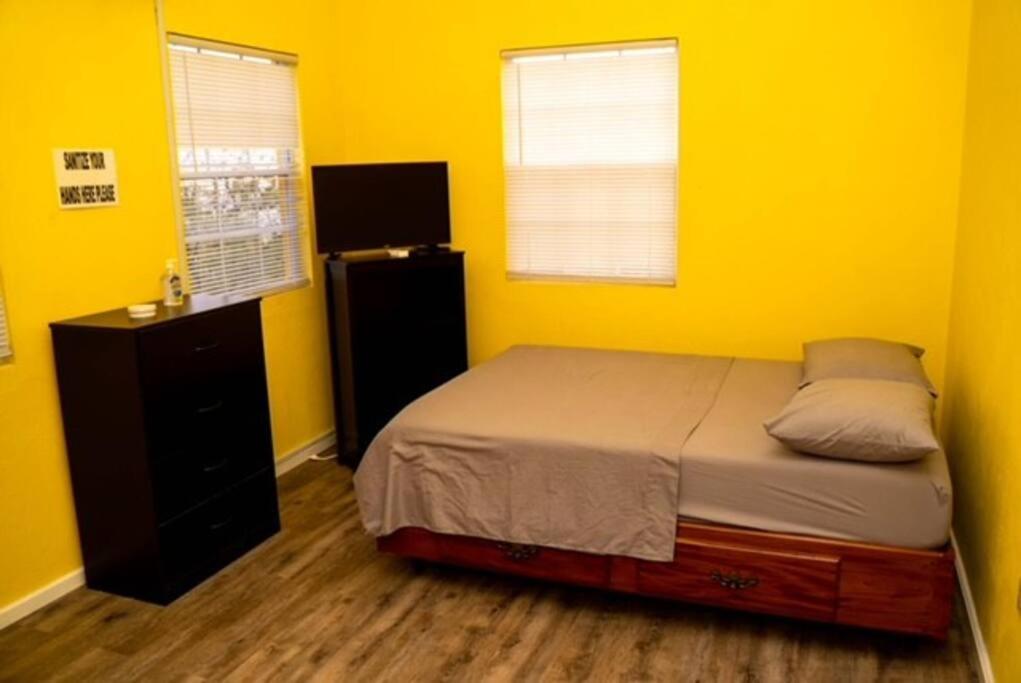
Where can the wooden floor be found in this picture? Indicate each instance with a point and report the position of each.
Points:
(318, 602)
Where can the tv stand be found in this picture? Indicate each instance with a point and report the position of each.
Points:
(397, 331)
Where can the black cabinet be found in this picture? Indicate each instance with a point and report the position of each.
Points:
(168, 440)
(397, 331)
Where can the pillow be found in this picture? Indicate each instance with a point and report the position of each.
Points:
(864, 359)
(870, 420)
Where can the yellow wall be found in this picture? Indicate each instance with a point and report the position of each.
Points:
(87, 73)
(819, 177)
(819, 163)
(982, 415)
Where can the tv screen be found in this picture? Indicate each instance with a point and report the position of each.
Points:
(371, 206)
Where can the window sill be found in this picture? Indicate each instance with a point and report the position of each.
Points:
(262, 293)
(588, 279)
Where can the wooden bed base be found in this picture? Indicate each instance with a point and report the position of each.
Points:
(881, 587)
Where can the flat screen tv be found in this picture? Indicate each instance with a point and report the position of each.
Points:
(372, 206)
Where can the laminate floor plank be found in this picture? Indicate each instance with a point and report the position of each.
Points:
(317, 602)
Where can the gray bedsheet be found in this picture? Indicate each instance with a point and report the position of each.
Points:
(567, 448)
(733, 472)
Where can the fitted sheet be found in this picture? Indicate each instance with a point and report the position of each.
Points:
(733, 472)
(567, 448)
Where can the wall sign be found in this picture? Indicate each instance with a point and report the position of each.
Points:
(86, 178)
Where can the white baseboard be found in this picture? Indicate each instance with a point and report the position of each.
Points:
(985, 665)
(295, 458)
(42, 597)
(35, 601)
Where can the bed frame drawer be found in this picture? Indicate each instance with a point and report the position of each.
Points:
(527, 560)
(790, 583)
(552, 564)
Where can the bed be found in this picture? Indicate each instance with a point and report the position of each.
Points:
(652, 474)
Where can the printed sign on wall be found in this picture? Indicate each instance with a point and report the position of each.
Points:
(86, 178)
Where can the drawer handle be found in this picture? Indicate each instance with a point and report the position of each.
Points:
(211, 408)
(734, 581)
(207, 347)
(216, 526)
(518, 552)
(218, 465)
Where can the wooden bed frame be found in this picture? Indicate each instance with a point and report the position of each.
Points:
(881, 587)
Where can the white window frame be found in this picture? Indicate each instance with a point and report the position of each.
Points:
(557, 193)
(298, 247)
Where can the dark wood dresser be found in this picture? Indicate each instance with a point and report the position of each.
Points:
(397, 331)
(168, 439)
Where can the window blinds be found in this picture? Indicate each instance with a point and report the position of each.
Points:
(5, 337)
(590, 150)
(239, 166)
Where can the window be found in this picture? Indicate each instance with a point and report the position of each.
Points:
(5, 337)
(239, 167)
(590, 154)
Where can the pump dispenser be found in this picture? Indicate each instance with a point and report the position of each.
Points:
(173, 293)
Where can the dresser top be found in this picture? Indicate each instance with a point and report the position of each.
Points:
(118, 318)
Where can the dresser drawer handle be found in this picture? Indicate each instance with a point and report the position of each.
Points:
(518, 552)
(207, 347)
(211, 408)
(734, 581)
(216, 526)
(218, 465)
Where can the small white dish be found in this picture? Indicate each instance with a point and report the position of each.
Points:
(138, 311)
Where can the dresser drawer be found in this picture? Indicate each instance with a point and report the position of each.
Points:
(195, 358)
(528, 560)
(790, 583)
(192, 475)
(203, 426)
(219, 531)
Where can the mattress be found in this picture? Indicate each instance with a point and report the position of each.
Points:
(733, 472)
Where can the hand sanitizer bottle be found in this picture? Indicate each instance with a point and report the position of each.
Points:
(173, 294)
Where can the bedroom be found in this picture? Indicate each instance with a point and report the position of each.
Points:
(843, 170)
